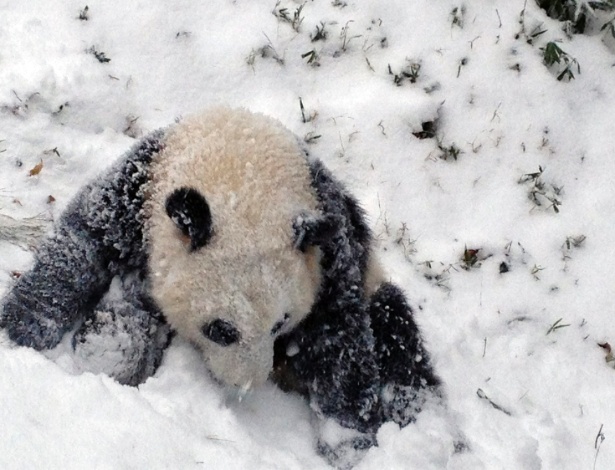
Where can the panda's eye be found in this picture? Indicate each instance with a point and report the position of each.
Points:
(221, 332)
(189, 211)
(278, 325)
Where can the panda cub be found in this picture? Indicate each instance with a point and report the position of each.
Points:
(222, 229)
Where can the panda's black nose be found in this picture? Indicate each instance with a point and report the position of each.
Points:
(221, 332)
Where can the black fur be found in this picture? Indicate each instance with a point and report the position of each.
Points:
(360, 361)
(403, 361)
(189, 211)
(99, 236)
(311, 231)
(335, 341)
(280, 324)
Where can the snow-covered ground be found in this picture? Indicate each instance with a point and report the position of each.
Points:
(499, 228)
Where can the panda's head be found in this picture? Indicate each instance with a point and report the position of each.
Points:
(232, 228)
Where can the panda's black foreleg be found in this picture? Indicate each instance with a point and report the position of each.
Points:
(98, 235)
(337, 364)
(47, 301)
(124, 337)
(405, 368)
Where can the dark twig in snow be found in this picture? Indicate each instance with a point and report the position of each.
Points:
(83, 14)
(557, 325)
(600, 437)
(100, 56)
(484, 396)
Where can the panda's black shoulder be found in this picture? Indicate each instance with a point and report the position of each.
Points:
(334, 198)
(108, 212)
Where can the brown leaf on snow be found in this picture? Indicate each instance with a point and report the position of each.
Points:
(51, 199)
(36, 170)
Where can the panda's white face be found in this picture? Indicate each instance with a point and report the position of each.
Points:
(223, 263)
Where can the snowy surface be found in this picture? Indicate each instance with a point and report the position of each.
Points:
(523, 396)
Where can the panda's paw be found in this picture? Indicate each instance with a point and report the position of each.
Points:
(120, 346)
(102, 345)
(27, 328)
(343, 448)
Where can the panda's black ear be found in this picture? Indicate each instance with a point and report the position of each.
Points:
(309, 230)
(190, 212)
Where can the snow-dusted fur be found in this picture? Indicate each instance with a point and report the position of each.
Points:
(98, 237)
(249, 248)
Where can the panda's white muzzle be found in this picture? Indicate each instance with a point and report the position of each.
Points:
(243, 365)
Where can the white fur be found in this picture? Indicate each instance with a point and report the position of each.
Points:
(256, 181)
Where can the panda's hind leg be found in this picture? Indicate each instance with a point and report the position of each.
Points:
(124, 337)
(406, 373)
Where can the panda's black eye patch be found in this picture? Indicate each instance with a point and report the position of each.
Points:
(278, 325)
(221, 332)
(190, 212)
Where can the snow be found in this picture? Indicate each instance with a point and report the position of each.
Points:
(521, 396)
